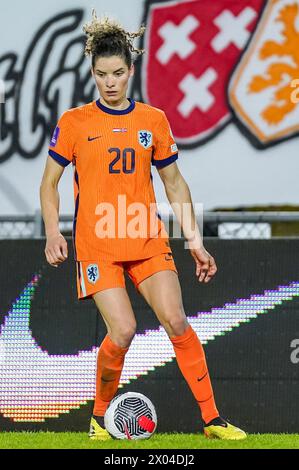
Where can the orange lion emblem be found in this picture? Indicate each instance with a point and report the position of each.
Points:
(280, 71)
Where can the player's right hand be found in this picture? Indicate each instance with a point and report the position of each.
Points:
(56, 250)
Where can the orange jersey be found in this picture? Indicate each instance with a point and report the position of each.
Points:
(112, 152)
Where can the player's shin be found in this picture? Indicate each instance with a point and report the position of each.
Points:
(110, 363)
(192, 363)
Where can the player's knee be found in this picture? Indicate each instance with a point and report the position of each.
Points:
(176, 324)
(124, 335)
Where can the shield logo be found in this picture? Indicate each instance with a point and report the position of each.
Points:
(145, 138)
(92, 272)
(192, 48)
(263, 84)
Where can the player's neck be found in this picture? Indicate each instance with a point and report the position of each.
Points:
(123, 103)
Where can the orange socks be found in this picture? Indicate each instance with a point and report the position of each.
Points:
(110, 363)
(192, 363)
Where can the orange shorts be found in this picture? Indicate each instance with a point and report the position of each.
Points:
(94, 276)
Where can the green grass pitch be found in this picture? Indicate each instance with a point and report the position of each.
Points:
(73, 440)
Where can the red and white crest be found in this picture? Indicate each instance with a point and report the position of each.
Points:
(191, 49)
(262, 91)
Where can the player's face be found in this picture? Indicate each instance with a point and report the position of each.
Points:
(112, 76)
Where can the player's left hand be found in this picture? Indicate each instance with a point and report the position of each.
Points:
(205, 264)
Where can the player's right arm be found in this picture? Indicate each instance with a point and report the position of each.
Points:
(56, 245)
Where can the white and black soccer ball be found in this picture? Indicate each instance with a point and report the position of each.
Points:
(131, 416)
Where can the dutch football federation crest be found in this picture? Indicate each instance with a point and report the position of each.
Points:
(92, 272)
(145, 138)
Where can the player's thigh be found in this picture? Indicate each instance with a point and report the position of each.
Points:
(162, 291)
(116, 309)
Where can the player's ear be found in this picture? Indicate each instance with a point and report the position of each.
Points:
(92, 72)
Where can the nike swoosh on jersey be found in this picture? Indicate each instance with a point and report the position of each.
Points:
(93, 138)
(35, 385)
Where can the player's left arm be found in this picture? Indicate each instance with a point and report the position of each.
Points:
(179, 196)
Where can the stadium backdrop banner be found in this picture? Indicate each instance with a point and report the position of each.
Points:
(225, 72)
(247, 318)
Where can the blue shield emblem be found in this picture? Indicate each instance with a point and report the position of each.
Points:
(145, 138)
(92, 272)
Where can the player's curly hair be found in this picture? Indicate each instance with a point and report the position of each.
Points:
(106, 37)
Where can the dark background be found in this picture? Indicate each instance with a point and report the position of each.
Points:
(255, 382)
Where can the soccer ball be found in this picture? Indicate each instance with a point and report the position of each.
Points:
(131, 416)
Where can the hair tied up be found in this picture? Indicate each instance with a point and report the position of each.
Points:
(99, 30)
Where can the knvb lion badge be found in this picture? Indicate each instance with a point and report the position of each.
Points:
(145, 138)
(92, 272)
(192, 48)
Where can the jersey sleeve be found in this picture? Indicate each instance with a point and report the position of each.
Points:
(165, 148)
(61, 147)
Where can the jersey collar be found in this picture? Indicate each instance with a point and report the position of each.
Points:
(116, 111)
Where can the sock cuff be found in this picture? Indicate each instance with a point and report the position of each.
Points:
(111, 348)
(185, 337)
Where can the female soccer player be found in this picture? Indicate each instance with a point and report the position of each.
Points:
(112, 143)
